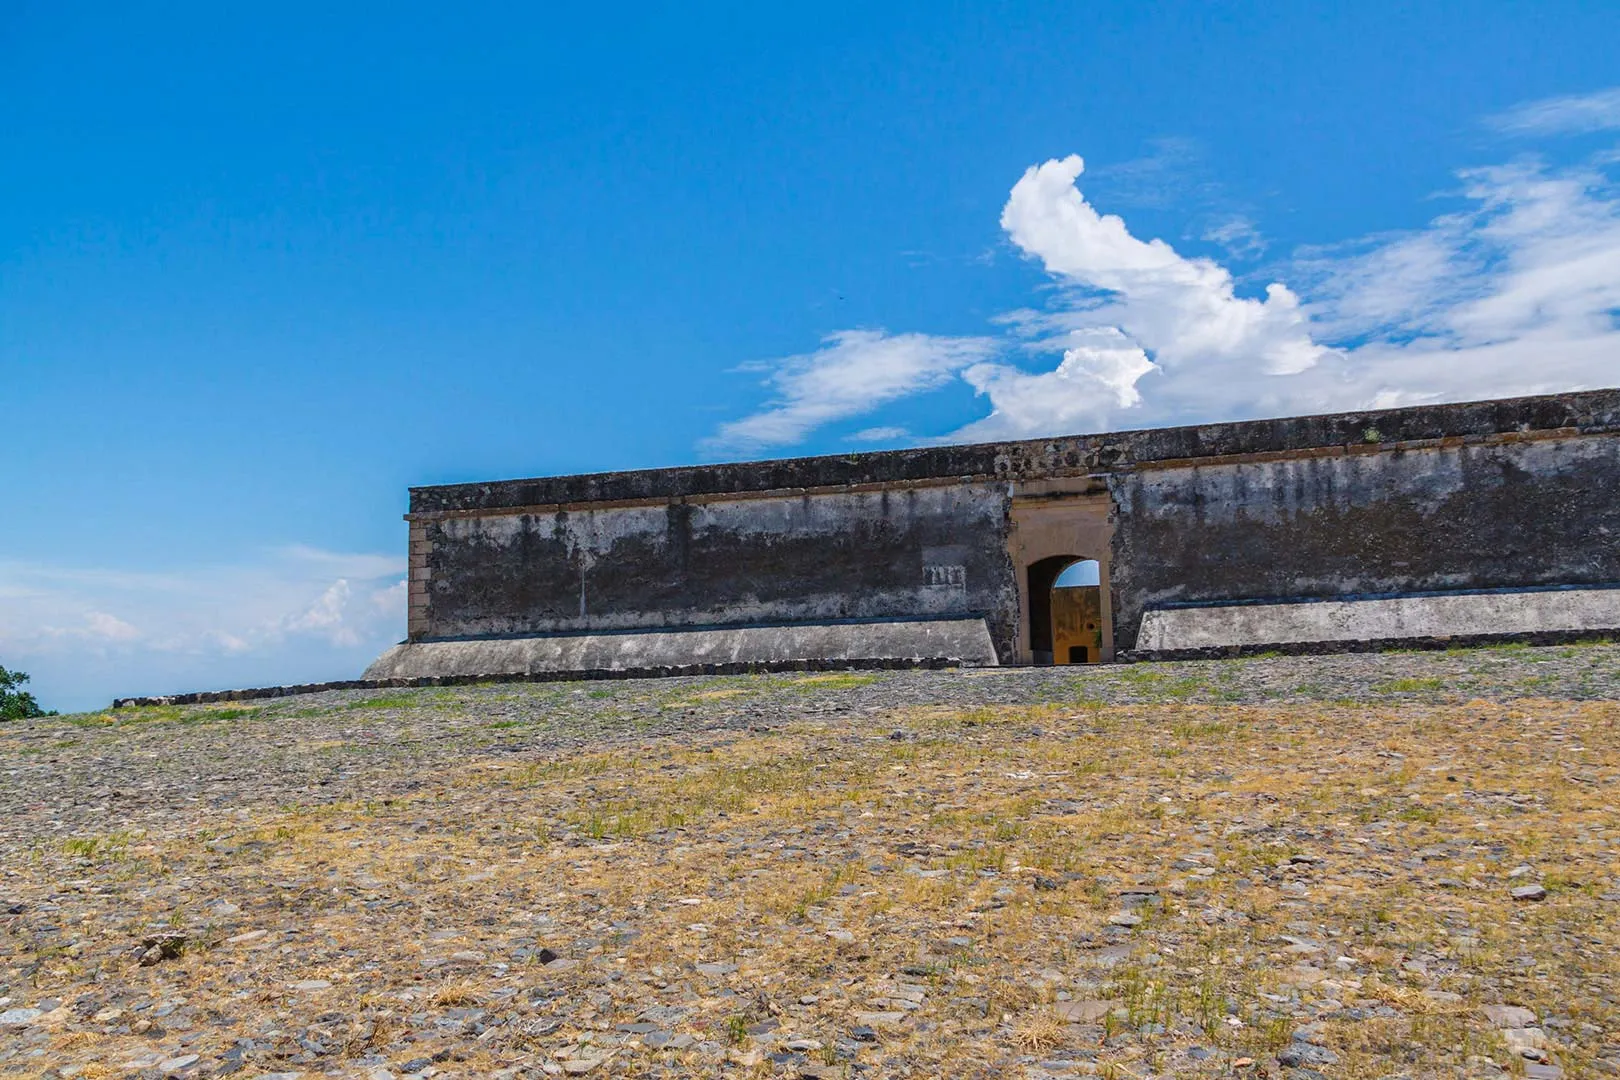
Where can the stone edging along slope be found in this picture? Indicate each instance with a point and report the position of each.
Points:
(207, 697)
(926, 663)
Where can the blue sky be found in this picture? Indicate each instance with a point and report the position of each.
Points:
(262, 269)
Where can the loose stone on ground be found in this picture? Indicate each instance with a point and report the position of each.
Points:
(1289, 867)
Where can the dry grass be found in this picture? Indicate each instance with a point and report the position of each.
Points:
(1213, 876)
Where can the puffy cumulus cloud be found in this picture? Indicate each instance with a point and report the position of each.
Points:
(1126, 308)
(1098, 375)
(292, 615)
(1517, 292)
(852, 373)
(1183, 311)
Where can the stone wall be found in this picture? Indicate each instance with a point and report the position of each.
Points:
(1521, 493)
(1483, 516)
(921, 551)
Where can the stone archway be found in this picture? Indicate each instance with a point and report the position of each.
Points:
(1054, 524)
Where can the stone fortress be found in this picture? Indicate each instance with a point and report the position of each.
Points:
(1482, 521)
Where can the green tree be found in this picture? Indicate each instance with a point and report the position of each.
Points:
(16, 703)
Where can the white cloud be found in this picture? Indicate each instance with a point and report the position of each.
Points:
(392, 600)
(110, 627)
(1238, 236)
(1171, 175)
(292, 615)
(852, 373)
(341, 563)
(326, 616)
(1098, 374)
(1182, 311)
(1516, 293)
(878, 434)
(86, 628)
(1573, 114)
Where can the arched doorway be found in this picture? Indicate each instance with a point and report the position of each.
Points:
(1055, 524)
(1067, 613)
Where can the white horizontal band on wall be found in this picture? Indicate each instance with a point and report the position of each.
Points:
(1387, 618)
(967, 640)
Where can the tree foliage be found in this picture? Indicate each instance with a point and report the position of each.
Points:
(15, 702)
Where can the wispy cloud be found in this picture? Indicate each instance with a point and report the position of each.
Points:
(878, 435)
(1516, 293)
(1573, 114)
(294, 614)
(1238, 236)
(852, 373)
(1172, 174)
(1537, 257)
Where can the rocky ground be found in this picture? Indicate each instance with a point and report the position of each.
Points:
(1360, 866)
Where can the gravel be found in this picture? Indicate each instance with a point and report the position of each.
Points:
(1294, 866)
(60, 776)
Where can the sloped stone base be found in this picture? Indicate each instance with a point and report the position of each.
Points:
(965, 640)
(1495, 615)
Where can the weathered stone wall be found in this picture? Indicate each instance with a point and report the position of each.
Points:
(920, 551)
(1486, 495)
(1488, 516)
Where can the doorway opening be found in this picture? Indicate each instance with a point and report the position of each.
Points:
(1066, 610)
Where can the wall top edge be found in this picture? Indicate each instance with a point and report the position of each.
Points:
(1585, 412)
